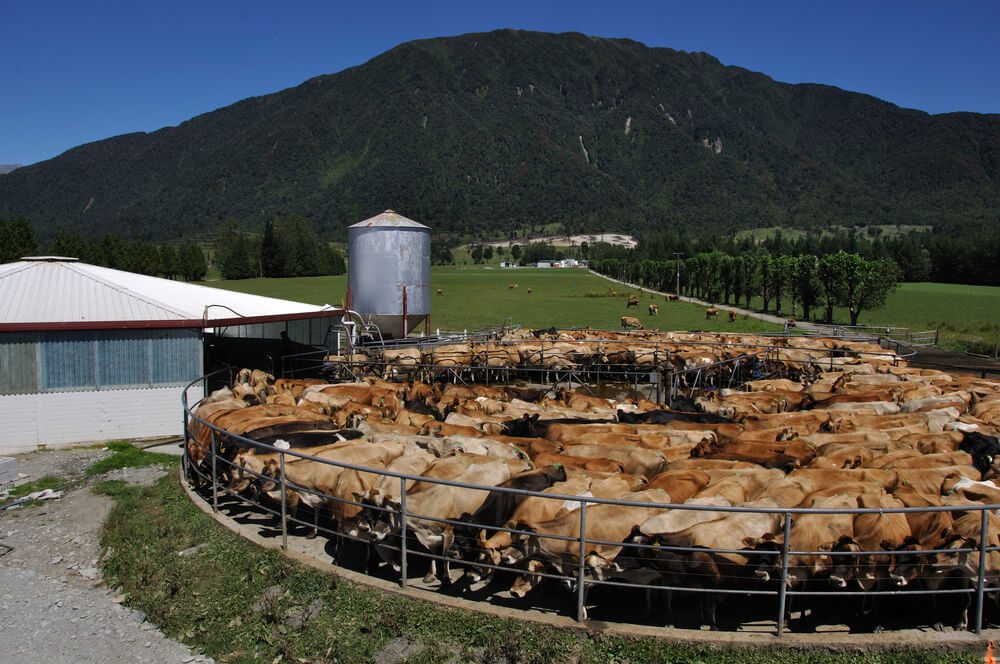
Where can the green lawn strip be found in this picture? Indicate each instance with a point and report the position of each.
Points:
(125, 455)
(53, 482)
(218, 600)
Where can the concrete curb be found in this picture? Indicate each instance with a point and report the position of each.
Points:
(915, 639)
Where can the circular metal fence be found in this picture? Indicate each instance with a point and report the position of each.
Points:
(578, 558)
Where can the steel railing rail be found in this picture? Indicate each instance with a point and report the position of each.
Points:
(580, 577)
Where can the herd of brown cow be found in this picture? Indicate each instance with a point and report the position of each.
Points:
(861, 430)
(583, 350)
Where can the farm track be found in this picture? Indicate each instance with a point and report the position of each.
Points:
(767, 318)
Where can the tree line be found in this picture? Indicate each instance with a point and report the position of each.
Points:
(286, 248)
(804, 283)
(970, 255)
(185, 260)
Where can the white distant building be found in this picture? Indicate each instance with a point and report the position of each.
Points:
(88, 353)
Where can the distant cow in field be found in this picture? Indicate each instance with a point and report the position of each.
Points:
(529, 291)
(440, 291)
(789, 322)
(512, 286)
(633, 301)
(654, 309)
(732, 316)
(711, 312)
(612, 292)
(671, 297)
(631, 322)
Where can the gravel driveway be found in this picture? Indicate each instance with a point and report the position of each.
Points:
(54, 607)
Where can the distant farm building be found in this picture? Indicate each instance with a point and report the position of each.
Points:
(89, 353)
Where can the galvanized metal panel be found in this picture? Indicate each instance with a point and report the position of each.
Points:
(123, 358)
(176, 356)
(18, 363)
(385, 259)
(68, 361)
(66, 418)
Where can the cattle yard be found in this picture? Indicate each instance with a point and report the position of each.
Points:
(733, 482)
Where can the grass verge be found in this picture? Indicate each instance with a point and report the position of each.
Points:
(240, 603)
(125, 455)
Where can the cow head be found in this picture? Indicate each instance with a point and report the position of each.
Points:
(527, 582)
(767, 564)
(847, 567)
(952, 560)
(905, 567)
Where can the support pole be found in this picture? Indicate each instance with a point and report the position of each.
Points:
(215, 484)
(981, 579)
(784, 575)
(284, 508)
(402, 532)
(406, 318)
(581, 566)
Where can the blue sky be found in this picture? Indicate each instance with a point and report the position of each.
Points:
(75, 72)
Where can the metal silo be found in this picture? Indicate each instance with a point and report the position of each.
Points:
(389, 272)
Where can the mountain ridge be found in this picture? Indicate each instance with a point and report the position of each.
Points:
(488, 132)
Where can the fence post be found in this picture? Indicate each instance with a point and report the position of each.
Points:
(936, 333)
(783, 588)
(580, 582)
(284, 508)
(402, 532)
(981, 580)
(215, 484)
(184, 452)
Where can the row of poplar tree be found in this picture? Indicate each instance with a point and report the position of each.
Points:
(803, 283)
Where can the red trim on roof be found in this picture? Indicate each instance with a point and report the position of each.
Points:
(160, 324)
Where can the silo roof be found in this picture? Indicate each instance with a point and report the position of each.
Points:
(388, 219)
(58, 293)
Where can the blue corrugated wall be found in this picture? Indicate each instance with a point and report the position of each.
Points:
(88, 360)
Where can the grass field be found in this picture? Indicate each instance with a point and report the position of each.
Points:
(968, 316)
(478, 297)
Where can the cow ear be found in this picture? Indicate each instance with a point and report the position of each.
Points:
(751, 542)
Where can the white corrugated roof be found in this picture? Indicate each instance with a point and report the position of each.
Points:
(388, 219)
(52, 291)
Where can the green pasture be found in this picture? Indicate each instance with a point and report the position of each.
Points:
(967, 316)
(474, 297)
(479, 297)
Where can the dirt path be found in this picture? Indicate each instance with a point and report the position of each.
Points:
(768, 318)
(54, 607)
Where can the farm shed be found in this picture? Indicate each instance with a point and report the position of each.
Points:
(88, 353)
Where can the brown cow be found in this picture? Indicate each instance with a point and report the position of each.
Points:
(633, 301)
(711, 312)
(654, 309)
(631, 322)
(732, 316)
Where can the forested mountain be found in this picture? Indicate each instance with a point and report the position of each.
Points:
(508, 129)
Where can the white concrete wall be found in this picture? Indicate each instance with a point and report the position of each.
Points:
(62, 419)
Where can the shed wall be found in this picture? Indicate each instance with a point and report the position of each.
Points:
(62, 419)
